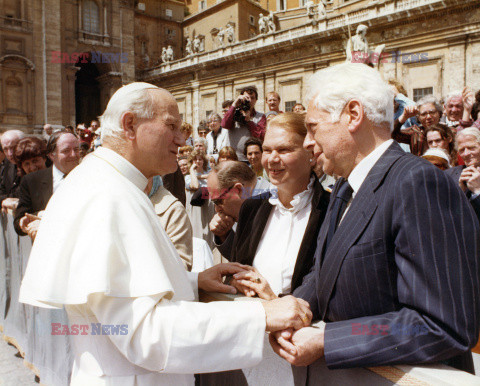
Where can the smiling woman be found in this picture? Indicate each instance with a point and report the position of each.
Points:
(30, 155)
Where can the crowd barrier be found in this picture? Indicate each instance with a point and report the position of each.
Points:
(50, 356)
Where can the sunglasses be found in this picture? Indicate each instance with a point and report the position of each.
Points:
(219, 200)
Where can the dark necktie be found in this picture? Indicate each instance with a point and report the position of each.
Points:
(341, 200)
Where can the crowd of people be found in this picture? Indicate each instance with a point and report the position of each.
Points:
(267, 191)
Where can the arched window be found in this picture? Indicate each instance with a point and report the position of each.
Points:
(91, 17)
(14, 94)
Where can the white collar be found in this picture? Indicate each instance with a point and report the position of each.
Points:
(121, 165)
(300, 200)
(360, 172)
(450, 123)
(57, 174)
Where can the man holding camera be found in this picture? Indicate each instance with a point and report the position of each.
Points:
(243, 122)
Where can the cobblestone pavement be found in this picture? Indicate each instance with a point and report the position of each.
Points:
(12, 370)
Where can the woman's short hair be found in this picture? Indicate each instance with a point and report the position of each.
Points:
(185, 149)
(198, 153)
(430, 99)
(290, 122)
(28, 148)
(228, 152)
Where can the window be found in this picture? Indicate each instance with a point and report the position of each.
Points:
(303, 3)
(168, 13)
(208, 112)
(171, 33)
(419, 93)
(289, 105)
(202, 5)
(144, 48)
(251, 19)
(281, 5)
(91, 17)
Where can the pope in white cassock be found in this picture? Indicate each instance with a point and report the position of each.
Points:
(128, 272)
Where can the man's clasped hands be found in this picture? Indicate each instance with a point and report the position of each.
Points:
(288, 318)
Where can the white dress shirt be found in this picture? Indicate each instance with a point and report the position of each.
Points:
(278, 248)
(129, 273)
(58, 178)
(360, 172)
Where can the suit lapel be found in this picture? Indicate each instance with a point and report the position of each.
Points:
(246, 253)
(359, 214)
(48, 183)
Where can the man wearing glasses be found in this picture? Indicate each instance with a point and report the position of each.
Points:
(229, 184)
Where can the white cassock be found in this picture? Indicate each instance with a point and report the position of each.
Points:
(102, 253)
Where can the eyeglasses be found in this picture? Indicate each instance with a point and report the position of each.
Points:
(431, 112)
(219, 200)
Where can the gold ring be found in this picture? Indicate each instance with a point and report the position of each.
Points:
(304, 318)
(258, 280)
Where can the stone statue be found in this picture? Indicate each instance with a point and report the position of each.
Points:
(164, 55)
(321, 11)
(357, 46)
(196, 44)
(358, 50)
(169, 54)
(189, 47)
(262, 24)
(310, 5)
(230, 33)
(271, 23)
(221, 36)
(316, 11)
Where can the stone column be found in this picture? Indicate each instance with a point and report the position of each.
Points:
(69, 100)
(109, 83)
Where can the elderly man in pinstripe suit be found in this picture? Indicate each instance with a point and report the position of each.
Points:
(396, 276)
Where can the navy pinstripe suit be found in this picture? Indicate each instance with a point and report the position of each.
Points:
(399, 282)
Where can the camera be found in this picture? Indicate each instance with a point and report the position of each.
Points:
(238, 116)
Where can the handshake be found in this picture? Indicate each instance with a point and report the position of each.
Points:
(287, 319)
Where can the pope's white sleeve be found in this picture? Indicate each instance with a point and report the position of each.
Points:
(184, 337)
(193, 279)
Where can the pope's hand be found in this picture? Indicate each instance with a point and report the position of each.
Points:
(32, 229)
(211, 280)
(301, 347)
(26, 220)
(287, 312)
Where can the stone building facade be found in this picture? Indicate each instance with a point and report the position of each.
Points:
(61, 60)
(432, 46)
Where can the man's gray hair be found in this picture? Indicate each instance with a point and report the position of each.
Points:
(135, 98)
(13, 134)
(453, 94)
(214, 115)
(471, 131)
(333, 87)
(430, 99)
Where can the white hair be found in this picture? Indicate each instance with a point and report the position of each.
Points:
(333, 87)
(135, 98)
(201, 140)
(430, 99)
(472, 131)
(12, 134)
(453, 94)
